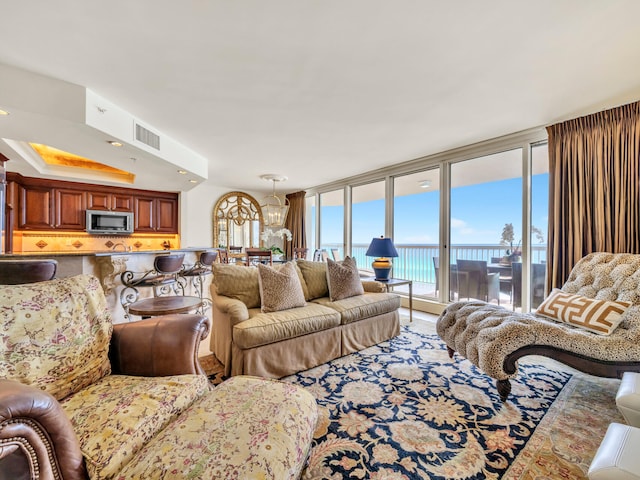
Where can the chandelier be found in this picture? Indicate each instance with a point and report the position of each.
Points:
(274, 211)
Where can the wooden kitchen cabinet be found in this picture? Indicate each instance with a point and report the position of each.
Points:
(144, 214)
(35, 208)
(154, 214)
(167, 215)
(70, 207)
(109, 201)
(59, 205)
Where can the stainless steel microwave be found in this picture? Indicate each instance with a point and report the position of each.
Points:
(106, 222)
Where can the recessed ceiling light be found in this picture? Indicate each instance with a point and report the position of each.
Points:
(182, 172)
(193, 181)
(115, 144)
(3, 112)
(425, 184)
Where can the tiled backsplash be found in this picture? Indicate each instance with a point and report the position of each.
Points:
(45, 241)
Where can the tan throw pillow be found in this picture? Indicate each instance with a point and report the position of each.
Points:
(343, 279)
(236, 281)
(280, 289)
(598, 316)
(315, 278)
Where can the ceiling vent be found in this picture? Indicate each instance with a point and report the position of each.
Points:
(147, 137)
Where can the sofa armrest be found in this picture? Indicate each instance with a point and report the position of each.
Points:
(159, 346)
(235, 309)
(372, 286)
(36, 435)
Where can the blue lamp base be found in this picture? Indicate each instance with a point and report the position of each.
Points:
(381, 269)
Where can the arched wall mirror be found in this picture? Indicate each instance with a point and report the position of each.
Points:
(237, 221)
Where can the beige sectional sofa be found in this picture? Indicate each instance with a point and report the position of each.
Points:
(249, 341)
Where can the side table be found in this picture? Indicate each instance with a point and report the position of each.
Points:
(150, 307)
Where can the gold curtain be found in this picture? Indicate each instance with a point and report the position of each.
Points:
(295, 222)
(593, 188)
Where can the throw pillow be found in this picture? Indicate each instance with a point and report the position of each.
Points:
(280, 289)
(315, 278)
(598, 316)
(236, 281)
(343, 279)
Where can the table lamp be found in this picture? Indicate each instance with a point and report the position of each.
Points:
(382, 248)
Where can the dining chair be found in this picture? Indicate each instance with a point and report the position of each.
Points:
(258, 255)
(16, 272)
(474, 281)
(223, 255)
(300, 253)
(335, 253)
(320, 255)
(233, 249)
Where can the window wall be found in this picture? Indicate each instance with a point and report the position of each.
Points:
(416, 227)
(486, 226)
(367, 219)
(332, 221)
(485, 204)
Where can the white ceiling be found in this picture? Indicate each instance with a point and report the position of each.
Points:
(318, 90)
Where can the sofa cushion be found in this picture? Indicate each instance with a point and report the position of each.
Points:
(237, 282)
(280, 288)
(343, 279)
(265, 328)
(116, 416)
(55, 335)
(315, 278)
(246, 428)
(358, 307)
(598, 316)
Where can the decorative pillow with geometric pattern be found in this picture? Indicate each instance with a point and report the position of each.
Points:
(343, 279)
(598, 316)
(280, 289)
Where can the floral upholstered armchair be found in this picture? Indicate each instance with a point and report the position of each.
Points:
(83, 398)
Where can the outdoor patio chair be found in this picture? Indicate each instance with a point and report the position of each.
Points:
(474, 281)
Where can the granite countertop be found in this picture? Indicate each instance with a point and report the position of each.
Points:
(101, 253)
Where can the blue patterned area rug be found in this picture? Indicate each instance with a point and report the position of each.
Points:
(403, 410)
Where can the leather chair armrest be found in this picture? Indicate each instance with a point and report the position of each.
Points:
(36, 436)
(159, 346)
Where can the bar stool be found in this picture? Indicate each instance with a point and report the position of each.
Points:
(163, 280)
(16, 272)
(197, 274)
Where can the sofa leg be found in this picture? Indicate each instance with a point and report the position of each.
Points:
(504, 389)
(450, 351)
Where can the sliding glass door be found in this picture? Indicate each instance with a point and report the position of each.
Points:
(332, 221)
(416, 226)
(486, 226)
(367, 219)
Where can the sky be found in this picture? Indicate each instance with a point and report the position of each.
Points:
(478, 215)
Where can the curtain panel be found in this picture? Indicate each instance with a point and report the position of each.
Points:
(295, 222)
(593, 188)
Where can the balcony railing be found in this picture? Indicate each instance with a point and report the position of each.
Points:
(415, 262)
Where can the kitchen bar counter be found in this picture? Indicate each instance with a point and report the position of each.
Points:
(108, 265)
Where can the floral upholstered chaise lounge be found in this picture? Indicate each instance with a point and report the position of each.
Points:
(82, 398)
(607, 344)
